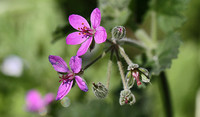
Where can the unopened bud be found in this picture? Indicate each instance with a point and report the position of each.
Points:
(126, 97)
(132, 67)
(100, 91)
(118, 32)
(144, 71)
(129, 80)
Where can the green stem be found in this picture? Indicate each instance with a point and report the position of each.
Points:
(166, 95)
(99, 57)
(121, 71)
(125, 56)
(132, 42)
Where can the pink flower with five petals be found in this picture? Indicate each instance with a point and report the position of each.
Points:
(86, 33)
(60, 66)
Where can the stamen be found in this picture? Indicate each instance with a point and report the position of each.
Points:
(82, 23)
(78, 28)
(84, 33)
(79, 33)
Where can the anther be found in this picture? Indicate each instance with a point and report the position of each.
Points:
(82, 23)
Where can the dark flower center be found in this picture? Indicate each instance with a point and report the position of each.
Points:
(67, 77)
(86, 32)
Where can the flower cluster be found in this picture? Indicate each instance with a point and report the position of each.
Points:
(87, 36)
(84, 35)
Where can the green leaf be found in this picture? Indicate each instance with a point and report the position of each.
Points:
(169, 13)
(166, 51)
(114, 12)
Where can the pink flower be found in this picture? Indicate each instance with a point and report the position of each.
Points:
(86, 33)
(68, 79)
(136, 77)
(35, 103)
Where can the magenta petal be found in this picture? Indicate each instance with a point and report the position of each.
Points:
(75, 63)
(58, 63)
(34, 101)
(64, 89)
(100, 35)
(48, 98)
(81, 83)
(84, 47)
(77, 21)
(75, 38)
(95, 18)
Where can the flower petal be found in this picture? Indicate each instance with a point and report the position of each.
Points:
(75, 63)
(64, 89)
(100, 35)
(95, 18)
(77, 21)
(84, 47)
(58, 63)
(81, 83)
(34, 101)
(48, 98)
(75, 38)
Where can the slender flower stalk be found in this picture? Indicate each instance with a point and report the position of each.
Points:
(125, 56)
(121, 70)
(132, 42)
(109, 73)
(122, 74)
(99, 57)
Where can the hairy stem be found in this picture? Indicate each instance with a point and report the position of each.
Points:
(166, 95)
(119, 63)
(125, 56)
(132, 42)
(99, 57)
(109, 73)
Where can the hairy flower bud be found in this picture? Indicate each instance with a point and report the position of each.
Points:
(100, 90)
(126, 97)
(131, 67)
(129, 80)
(118, 32)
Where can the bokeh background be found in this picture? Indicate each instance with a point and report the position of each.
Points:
(31, 30)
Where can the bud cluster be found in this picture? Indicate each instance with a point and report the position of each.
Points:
(126, 97)
(136, 73)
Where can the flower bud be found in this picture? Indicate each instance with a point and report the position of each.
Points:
(144, 71)
(126, 97)
(132, 67)
(100, 91)
(118, 32)
(129, 80)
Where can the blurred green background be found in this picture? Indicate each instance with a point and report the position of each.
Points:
(35, 29)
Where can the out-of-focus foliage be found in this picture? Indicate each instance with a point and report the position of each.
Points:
(114, 12)
(166, 51)
(169, 13)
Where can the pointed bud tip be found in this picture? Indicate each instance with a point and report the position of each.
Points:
(118, 32)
